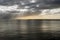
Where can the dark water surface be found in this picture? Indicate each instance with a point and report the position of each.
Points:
(29, 30)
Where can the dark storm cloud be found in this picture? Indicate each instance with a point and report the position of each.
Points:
(28, 1)
(27, 4)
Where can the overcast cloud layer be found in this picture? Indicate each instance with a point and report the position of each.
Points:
(22, 7)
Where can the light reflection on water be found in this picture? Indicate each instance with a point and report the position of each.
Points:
(51, 25)
(11, 27)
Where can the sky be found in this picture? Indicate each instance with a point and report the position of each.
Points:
(25, 6)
